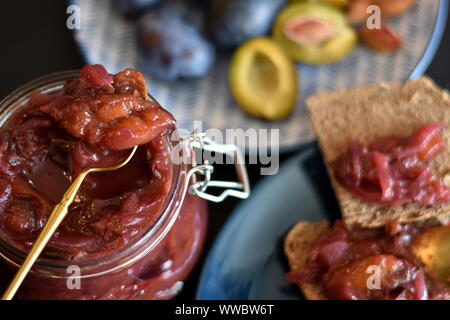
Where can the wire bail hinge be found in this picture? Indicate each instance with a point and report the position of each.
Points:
(240, 189)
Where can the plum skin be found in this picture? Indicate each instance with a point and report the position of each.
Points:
(231, 22)
(134, 7)
(170, 48)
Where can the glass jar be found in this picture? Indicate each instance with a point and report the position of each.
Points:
(153, 266)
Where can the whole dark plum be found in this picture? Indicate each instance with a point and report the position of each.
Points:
(170, 48)
(134, 7)
(231, 22)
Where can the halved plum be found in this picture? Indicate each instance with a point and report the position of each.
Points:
(334, 3)
(432, 248)
(263, 79)
(314, 34)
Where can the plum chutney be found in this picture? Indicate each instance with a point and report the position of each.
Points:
(93, 122)
(343, 261)
(394, 170)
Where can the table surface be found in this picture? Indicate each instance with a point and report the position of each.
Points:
(35, 42)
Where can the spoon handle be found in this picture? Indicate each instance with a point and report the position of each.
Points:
(53, 222)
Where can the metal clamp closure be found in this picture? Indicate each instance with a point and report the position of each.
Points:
(200, 174)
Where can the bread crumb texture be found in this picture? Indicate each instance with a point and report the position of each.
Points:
(297, 245)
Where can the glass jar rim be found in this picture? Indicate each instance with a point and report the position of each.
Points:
(53, 83)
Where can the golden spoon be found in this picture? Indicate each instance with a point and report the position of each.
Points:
(433, 248)
(53, 222)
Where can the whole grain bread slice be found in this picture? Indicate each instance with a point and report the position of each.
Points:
(367, 113)
(297, 245)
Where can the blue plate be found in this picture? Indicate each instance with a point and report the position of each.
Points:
(247, 259)
(106, 37)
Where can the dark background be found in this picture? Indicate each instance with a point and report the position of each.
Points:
(35, 42)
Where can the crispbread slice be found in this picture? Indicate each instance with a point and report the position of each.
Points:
(297, 245)
(374, 111)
